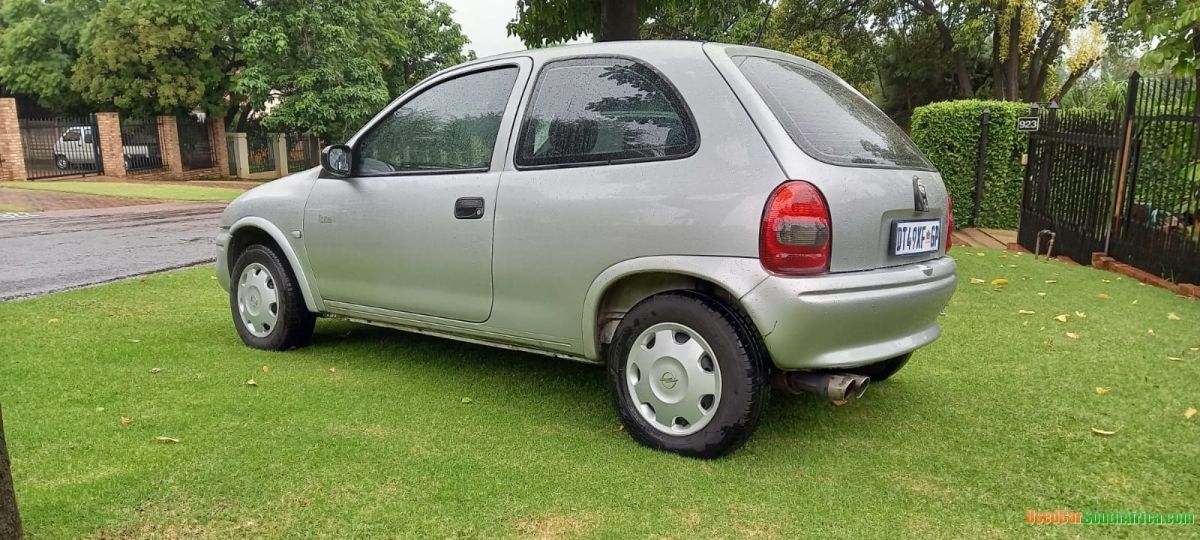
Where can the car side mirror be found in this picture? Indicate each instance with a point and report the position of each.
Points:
(336, 160)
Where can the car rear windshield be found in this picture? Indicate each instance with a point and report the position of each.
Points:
(828, 119)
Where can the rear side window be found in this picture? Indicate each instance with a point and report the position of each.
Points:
(599, 110)
(827, 119)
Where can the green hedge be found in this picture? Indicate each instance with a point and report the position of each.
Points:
(948, 133)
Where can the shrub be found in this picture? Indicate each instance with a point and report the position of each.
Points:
(948, 133)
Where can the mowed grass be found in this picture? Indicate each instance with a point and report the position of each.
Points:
(164, 191)
(366, 433)
(10, 208)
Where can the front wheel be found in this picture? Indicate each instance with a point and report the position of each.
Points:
(62, 162)
(688, 375)
(265, 300)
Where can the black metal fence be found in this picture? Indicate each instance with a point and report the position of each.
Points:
(303, 152)
(197, 150)
(1123, 183)
(60, 146)
(260, 147)
(1157, 225)
(142, 145)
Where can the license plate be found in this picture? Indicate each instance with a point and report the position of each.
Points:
(915, 237)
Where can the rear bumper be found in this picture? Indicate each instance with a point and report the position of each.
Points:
(851, 319)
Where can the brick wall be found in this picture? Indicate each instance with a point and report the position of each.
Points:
(12, 155)
(112, 148)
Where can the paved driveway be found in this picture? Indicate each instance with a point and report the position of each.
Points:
(41, 253)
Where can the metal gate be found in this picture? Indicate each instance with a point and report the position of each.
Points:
(140, 138)
(60, 146)
(196, 147)
(1126, 184)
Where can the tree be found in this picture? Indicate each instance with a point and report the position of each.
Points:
(157, 56)
(545, 22)
(1173, 27)
(39, 45)
(10, 519)
(326, 66)
(832, 33)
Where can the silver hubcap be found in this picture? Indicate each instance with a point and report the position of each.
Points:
(673, 379)
(258, 301)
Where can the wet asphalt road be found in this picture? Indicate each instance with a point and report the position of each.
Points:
(54, 251)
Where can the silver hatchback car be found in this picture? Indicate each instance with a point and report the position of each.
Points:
(708, 221)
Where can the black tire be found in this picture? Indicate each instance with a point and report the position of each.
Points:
(295, 323)
(744, 373)
(882, 371)
(61, 162)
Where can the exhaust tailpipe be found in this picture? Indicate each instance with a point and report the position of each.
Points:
(835, 386)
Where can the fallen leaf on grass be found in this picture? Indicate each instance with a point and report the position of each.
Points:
(1150, 331)
(839, 402)
(333, 370)
(1042, 294)
(155, 370)
(1061, 318)
(1081, 314)
(1024, 312)
(251, 382)
(53, 321)
(980, 253)
(212, 277)
(1194, 349)
(1133, 303)
(1072, 335)
(1051, 281)
(166, 440)
(1103, 296)
(976, 281)
(1012, 266)
(1189, 413)
(467, 400)
(999, 282)
(1102, 390)
(1173, 316)
(99, 409)
(1174, 359)
(1106, 433)
(134, 340)
(125, 421)
(1106, 280)
(266, 369)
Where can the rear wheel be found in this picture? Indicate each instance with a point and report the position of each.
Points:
(265, 300)
(881, 371)
(688, 375)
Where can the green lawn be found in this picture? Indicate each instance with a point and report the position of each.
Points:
(10, 208)
(366, 433)
(167, 191)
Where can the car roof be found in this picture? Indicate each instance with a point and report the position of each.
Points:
(640, 48)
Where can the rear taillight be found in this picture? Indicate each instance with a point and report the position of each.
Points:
(949, 222)
(795, 236)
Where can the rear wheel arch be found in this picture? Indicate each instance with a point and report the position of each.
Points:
(620, 296)
(244, 235)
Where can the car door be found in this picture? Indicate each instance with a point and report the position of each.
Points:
(410, 229)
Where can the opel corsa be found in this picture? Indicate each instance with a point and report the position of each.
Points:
(708, 221)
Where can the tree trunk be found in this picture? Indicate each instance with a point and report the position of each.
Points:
(1071, 80)
(1012, 64)
(618, 20)
(10, 520)
(999, 84)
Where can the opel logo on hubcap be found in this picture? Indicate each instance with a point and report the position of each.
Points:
(668, 380)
